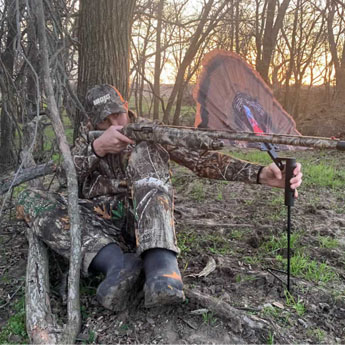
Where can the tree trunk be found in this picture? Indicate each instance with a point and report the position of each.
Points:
(272, 28)
(141, 87)
(6, 73)
(237, 27)
(339, 62)
(340, 83)
(176, 120)
(104, 36)
(292, 60)
(156, 85)
(33, 57)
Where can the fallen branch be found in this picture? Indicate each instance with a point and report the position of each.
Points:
(26, 175)
(249, 327)
(211, 223)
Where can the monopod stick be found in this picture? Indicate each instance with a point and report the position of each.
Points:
(289, 201)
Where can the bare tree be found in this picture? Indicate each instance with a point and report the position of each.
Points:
(303, 39)
(210, 16)
(157, 73)
(266, 38)
(143, 42)
(176, 30)
(73, 305)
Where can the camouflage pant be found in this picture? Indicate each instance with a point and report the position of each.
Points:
(140, 222)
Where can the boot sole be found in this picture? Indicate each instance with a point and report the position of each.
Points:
(168, 296)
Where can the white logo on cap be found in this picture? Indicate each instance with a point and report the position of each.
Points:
(102, 99)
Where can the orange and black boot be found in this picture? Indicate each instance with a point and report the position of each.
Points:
(122, 276)
(163, 282)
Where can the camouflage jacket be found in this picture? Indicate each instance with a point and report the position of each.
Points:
(107, 176)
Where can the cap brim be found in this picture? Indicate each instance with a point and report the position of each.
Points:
(112, 109)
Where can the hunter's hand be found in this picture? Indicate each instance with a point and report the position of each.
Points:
(111, 141)
(272, 176)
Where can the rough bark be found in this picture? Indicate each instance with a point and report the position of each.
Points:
(40, 324)
(33, 57)
(104, 36)
(7, 92)
(30, 134)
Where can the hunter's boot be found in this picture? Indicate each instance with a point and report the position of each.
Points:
(163, 282)
(122, 276)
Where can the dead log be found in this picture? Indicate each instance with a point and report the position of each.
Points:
(26, 175)
(40, 322)
(250, 327)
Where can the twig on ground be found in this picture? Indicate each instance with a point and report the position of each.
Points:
(211, 223)
(11, 297)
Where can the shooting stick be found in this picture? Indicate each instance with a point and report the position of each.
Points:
(290, 165)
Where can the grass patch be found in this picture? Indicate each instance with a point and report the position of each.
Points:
(297, 305)
(186, 241)
(240, 278)
(208, 318)
(323, 175)
(198, 192)
(278, 200)
(328, 242)
(15, 326)
(219, 195)
(281, 316)
(216, 244)
(271, 311)
(270, 339)
(236, 234)
(251, 260)
(319, 168)
(277, 243)
(303, 266)
(212, 243)
(255, 156)
(317, 333)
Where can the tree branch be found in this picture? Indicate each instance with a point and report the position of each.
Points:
(26, 175)
(73, 304)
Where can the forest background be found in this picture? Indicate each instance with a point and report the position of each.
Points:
(298, 47)
(51, 52)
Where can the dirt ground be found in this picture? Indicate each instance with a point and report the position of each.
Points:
(237, 232)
